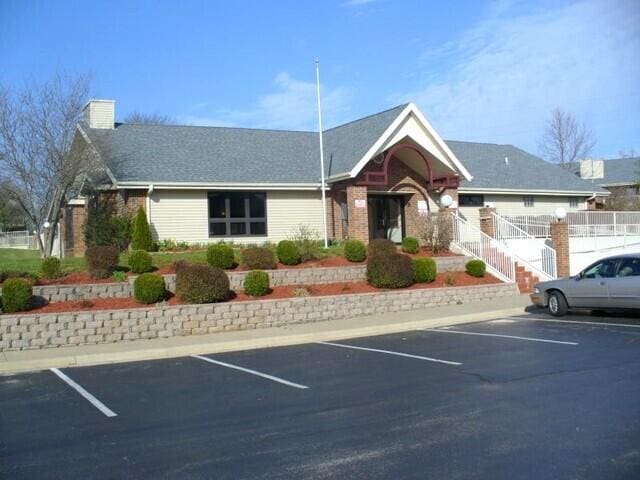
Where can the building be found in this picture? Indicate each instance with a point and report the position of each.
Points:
(384, 174)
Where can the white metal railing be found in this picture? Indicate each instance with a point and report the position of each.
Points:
(471, 240)
(20, 239)
(529, 250)
(581, 224)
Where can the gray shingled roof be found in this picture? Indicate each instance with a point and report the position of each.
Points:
(486, 162)
(621, 170)
(164, 153)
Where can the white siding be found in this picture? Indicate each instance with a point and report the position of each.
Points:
(514, 205)
(182, 215)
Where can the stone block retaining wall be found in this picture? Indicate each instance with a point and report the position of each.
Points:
(292, 276)
(31, 331)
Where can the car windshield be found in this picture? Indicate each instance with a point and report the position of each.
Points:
(604, 269)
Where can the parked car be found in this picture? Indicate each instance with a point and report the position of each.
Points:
(610, 283)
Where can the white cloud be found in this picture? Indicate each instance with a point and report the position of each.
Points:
(499, 81)
(293, 106)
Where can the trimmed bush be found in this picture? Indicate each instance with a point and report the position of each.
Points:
(140, 261)
(149, 288)
(102, 260)
(355, 250)
(50, 268)
(141, 237)
(256, 283)
(221, 256)
(410, 245)
(476, 268)
(426, 270)
(288, 253)
(390, 271)
(201, 284)
(16, 295)
(381, 246)
(258, 258)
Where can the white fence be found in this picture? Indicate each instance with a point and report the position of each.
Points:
(21, 239)
(530, 251)
(581, 224)
(472, 241)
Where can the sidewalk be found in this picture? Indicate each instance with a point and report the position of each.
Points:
(31, 360)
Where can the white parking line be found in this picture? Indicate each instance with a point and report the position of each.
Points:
(253, 372)
(93, 400)
(576, 321)
(389, 352)
(496, 335)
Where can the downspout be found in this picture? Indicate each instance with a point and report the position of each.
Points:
(148, 205)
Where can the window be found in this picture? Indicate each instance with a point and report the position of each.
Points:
(629, 267)
(528, 201)
(471, 200)
(604, 269)
(573, 202)
(237, 214)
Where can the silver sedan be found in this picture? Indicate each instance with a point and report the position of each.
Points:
(610, 283)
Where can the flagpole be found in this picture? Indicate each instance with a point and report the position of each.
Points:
(322, 185)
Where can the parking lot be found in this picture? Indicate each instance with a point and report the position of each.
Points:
(519, 397)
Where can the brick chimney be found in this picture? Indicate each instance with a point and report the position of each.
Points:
(100, 113)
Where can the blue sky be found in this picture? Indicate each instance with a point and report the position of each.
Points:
(489, 72)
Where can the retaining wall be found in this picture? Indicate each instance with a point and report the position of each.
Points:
(31, 331)
(291, 276)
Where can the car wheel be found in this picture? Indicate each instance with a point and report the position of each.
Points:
(557, 304)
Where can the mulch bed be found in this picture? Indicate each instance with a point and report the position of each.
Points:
(460, 279)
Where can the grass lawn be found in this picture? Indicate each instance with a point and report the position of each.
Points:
(29, 261)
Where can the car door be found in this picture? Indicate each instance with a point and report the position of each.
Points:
(624, 288)
(590, 289)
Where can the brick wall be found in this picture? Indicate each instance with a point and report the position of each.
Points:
(31, 331)
(487, 224)
(358, 216)
(293, 276)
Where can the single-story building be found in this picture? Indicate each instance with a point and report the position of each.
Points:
(384, 174)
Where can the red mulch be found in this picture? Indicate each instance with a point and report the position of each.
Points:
(461, 279)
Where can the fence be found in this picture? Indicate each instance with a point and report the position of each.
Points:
(529, 250)
(20, 239)
(473, 241)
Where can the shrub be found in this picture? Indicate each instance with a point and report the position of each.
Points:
(221, 256)
(437, 232)
(410, 245)
(302, 292)
(381, 246)
(103, 227)
(355, 250)
(476, 268)
(6, 274)
(307, 241)
(51, 268)
(201, 284)
(149, 288)
(450, 280)
(101, 260)
(288, 253)
(390, 271)
(426, 270)
(141, 237)
(120, 232)
(258, 258)
(16, 295)
(140, 261)
(256, 283)
(119, 276)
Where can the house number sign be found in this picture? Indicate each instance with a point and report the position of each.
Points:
(361, 203)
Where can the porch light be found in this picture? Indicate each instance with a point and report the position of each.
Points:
(560, 213)
(46, 225)
(446, 201)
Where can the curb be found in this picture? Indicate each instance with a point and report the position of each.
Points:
(133, 354)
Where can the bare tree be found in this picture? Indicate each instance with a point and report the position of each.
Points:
(148, 118)
(565, 140)
(37, 125)
(622, 200)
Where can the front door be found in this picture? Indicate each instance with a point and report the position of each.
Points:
(385, 217)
